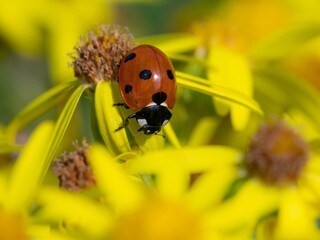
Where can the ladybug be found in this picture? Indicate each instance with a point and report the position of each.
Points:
(147, 84)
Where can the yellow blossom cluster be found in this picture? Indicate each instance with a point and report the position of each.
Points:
(239, 160)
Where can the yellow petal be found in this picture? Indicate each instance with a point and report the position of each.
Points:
(3, 186)
(109, 119)
(117, 187)
(313, 165)
(61, 126)
(74, 210)
(284, 42)
(40, 106)
(27, 172)
(210, 188)
(174, 42)
(203, 132)
(148, 143)
(45, 232)
(231, 70)
(171, 135)
(295, 219)
(191, 82)
(309, 185)
(174, 181)
(253, 201)
(196, 159)
(17, 24)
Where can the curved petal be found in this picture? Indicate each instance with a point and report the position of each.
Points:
(109, 119)
(117, 187)
(210, 188)
(196, 159)
(295, 220)
(40, 106)
(174, 181)
(231, 70)
(27, 173)
(253, 201)
(74, 210)
(191, 82)
(61, 126)
(171, 135)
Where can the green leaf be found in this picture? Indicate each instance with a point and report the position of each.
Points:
(195, 83)
(285, 41)
(62, 125)
(40, 106)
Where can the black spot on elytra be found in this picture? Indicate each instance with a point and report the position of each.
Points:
(130, 57)
(128, 88)
(159, 97)
(170, 74)
(145, 74)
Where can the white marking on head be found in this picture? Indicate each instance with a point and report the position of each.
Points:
(164, 104)
(148, 131)
(142, 122)
(151, 104)
(165, 122)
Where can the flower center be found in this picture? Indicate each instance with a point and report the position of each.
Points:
(97, 57)
(73, 169)
(11, 227)
(158, 220)
(277, 154)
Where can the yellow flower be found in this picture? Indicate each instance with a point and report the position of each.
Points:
(20, 184)
(278, 196)
(159, 205)
(237, 41)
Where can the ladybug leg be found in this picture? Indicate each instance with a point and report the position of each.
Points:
(126, 122)
(121, 104)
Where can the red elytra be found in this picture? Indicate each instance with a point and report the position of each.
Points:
(147, 82)
(144, 71)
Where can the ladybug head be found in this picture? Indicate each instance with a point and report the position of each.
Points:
(152, 118)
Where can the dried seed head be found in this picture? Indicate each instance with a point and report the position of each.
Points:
(73, 169)
(277, 154)
(98, 55)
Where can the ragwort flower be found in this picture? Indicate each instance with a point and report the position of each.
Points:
(160, 204)
(277, 196)
(20, 184)
(238, 46)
